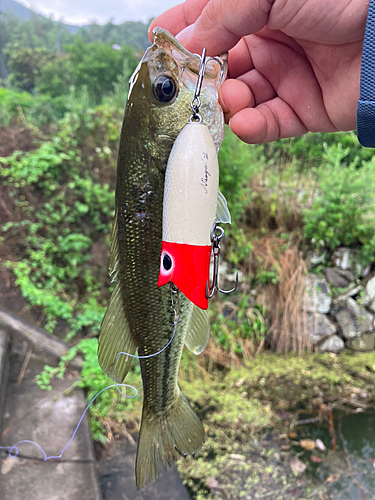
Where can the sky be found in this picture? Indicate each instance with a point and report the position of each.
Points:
(85, 11)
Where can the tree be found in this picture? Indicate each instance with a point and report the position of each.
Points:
(130, 33)
(95, 66)
(26, 65)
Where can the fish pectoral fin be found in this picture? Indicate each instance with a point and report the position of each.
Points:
(113, 252)
(178, 430)
(222, 211)
(198, 330)
(115, 337)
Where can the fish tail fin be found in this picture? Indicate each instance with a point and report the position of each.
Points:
(179, 430)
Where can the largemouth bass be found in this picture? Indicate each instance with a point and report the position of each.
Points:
(139, 315)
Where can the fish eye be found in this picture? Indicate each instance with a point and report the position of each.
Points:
(164, 88)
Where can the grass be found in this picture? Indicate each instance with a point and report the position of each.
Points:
(285, 296)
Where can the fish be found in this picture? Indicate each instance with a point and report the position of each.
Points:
(139, 316)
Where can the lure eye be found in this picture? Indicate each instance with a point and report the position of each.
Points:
(167, 262)
(164, 88)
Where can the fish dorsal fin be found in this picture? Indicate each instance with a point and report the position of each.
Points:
(113, 252)
(198, 330)
(114, 338)
(222, 211)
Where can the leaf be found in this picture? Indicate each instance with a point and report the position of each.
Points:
(333, 478)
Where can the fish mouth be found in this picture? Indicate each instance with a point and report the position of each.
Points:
(216, 67)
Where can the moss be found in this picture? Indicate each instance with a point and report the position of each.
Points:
(324, 367)
(247, 411)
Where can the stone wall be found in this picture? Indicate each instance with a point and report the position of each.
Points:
(340, 304)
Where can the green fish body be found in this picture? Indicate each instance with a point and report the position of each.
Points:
(139, 315)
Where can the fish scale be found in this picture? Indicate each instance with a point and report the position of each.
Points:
(139, 315)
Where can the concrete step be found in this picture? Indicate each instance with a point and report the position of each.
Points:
(117, 478)
(4, 369)
(49, 418)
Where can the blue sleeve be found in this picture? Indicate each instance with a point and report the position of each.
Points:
(366, 102)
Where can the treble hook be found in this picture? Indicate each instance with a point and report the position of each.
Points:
(215, 239)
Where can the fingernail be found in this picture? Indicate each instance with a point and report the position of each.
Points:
(184, 35)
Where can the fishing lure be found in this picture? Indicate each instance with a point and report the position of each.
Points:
(190, 210)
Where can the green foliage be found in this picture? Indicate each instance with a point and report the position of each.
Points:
(26, 65)
(129, 33)
(267, 277)
(8, 23)
(343, 211)
(10, 102)
(306, 151)
(238, 164)
(231, 325)
(65, 210)
(38, 110)
(110, 403)
(21, 169)
(120, 90)
(38, 32)
(85, 66)
(95, 67)
(43, 32)
(55, 79)
(239, 244)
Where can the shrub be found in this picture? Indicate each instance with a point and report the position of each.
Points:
(65, 208)
(343, 210)
(34, 110)
(306, 151)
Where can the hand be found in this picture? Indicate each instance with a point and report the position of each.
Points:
(294, 65)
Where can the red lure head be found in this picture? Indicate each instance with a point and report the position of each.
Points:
(187, 267)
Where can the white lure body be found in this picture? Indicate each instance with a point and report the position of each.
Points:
(189, 211)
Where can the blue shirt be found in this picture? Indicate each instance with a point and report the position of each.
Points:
(366, 102)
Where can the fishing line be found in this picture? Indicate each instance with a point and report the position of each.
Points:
(13, 450)
(139, 357)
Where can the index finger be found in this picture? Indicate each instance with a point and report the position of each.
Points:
(218, 24)
(178, 17)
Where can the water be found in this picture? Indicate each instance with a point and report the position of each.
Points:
(354, 468)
